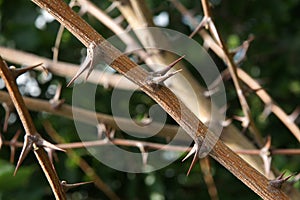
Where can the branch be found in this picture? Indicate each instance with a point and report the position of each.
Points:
(65, 69)
(164, 97)
(248, 122)
(65, 110)
(88, 170)
(30, 130)
(265, 97)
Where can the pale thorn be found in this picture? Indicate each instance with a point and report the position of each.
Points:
(143, 151)
(87, 64)
(266, 156)
(160, 79)
(27, 146)
(192, 151)
(267, 111)
(43, 143)
(55, 101)
(294, 115)
(201, 25)
(168, 68)
(226, 123)
(67, 186)
(101, 130)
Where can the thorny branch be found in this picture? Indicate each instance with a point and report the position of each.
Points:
(275, 109)
(88, 36)
(32, 139)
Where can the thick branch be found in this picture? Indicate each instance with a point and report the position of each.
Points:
(165, 98)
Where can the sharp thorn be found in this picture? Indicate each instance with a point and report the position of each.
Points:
(81, 69)
(192, 151)
(27, 146)
(280, 180)
(8, 107)
(165, 70)
(43, 143)
(192, 164)
(17, 72)
(67, 186)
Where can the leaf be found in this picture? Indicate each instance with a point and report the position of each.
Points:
(10, 182)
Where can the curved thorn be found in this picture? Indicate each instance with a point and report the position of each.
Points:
(67, 186)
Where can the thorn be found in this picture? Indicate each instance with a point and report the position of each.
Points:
(160, 76)
(55, 101)
(277, 183)
(44, 143)
(245, 121)
(194, 151)
(201, 25)
(226, 123)
(296, 178)
(12, 145)
(211, 92)
(267, 111)
(9, 108)
(164, 71)
(161, 79)
(241, 51)
(67, 186)
(87, 64)
(27, 146)
(144, 153)
(101, 130)
(19, 71)
(294, 115)
(265, 154)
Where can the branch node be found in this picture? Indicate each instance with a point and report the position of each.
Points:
(158, 77)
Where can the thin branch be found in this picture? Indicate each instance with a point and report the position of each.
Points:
(85, 167)
(65, 69)
(164, 97)
(233, 72)
(208, 178)
(265, 97)
(30, 130)
(65, 110)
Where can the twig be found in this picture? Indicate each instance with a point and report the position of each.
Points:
(30, 130)
(151, 145)
(65, 69)
(65, 110)
(265, 97)
(88, 170)
(164, 97)
(208, 178)
(233, 72)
